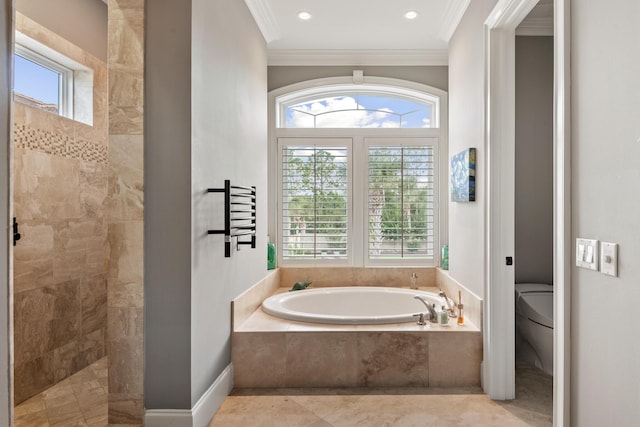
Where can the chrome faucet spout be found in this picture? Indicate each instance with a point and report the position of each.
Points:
(452, 312)
(433, 315)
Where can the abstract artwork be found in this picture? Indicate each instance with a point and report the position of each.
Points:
(463, 176)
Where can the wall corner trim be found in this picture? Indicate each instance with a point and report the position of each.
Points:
(266, 21)
(201, 413)
(451, 19)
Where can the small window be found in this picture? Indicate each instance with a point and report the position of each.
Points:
(46, 79)
(42, 83)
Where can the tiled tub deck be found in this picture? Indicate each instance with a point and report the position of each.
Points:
(271, 352)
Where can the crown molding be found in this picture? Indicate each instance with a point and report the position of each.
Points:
(263, 15)
(536, 27)
(356, 57)
(451, 18)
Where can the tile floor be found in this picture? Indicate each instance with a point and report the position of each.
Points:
(80, 400)
(397, 407)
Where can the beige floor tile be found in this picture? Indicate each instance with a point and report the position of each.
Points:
(95, 413)
(59, 400)
(33, 405)
(92, 398)
(80, 400)
(393, 407)
(276, 411)
(68, 413)
(86, 386)
(59, 390)
(33, 419)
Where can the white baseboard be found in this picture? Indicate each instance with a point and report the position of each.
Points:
(201, 413)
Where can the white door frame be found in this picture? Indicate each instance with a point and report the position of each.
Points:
(499, 333)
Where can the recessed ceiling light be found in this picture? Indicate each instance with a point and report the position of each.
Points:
(412, 14)
(305, 16)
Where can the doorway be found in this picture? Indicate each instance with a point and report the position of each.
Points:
(499, 372)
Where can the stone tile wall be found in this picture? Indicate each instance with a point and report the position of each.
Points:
(125, 211)
(60, 264)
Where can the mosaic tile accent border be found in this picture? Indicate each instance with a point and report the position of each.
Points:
(59, 145)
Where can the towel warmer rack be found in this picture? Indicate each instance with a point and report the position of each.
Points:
(239, 215)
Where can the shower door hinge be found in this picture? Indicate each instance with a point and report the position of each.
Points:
(16, 235)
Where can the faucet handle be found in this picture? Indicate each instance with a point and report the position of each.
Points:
(420, 319)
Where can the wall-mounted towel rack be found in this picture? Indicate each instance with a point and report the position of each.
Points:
(239, 215)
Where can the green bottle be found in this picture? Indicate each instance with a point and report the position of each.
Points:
(271, 256)
(445, 257)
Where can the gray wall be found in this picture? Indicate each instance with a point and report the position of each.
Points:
(534, 160)
(229, 141)
(281, 76)
(6, 203)
(82, 22)
(466, 129)
(167, 213)
(605, 102)
(206, 121)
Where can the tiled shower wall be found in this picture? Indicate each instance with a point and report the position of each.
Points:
(125, 211)
(61, 262)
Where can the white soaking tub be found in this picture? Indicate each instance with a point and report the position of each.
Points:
(353, 305)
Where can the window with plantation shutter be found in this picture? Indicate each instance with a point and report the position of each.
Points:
(355, 173)
(314, 202)
(401, 195)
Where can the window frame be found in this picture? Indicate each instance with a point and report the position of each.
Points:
(78, 79)
(358, 163)
(338, 90)
(324, 142)
(65, 80)
(403, 141)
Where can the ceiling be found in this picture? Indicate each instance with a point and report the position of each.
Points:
(370, 32)
(358, 28)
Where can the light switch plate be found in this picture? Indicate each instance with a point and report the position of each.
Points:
(609, 259)
(587, 254)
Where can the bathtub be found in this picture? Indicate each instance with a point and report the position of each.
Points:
(354, 305)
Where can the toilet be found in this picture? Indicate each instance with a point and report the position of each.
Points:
(534, 324)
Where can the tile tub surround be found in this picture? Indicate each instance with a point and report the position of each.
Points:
(60, 264)
(472, 303)
(246, 304)
(303, 354)
(250, 300)
(357, 276)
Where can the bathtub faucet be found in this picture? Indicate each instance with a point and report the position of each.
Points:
(452, 312)
(433, 316)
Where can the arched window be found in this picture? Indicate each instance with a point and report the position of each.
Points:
(358, 106)
(355, 172)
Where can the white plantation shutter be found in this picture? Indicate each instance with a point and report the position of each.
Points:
(314, 202)
(401, 202)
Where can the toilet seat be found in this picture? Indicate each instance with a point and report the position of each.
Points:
(538, 308)
(535, 302)
(534, 324)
